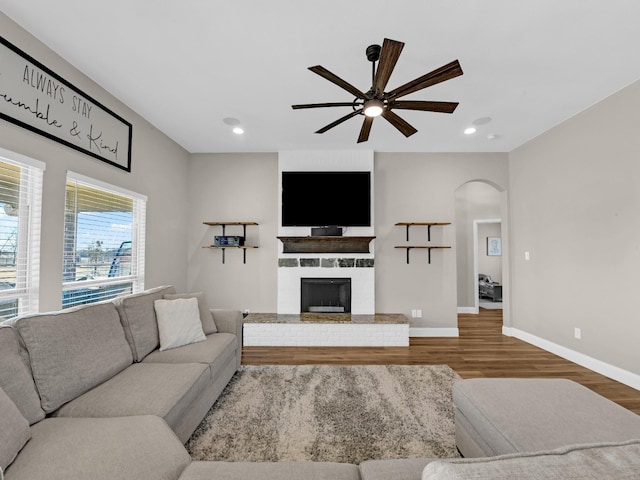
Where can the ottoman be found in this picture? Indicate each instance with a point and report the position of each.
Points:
(496, 416)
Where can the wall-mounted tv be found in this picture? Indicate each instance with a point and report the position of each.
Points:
(319, 199)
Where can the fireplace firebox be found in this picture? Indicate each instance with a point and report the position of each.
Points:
(325, 295)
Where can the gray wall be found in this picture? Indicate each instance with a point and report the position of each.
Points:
(575, 206)
(421, 187)
(408, 187)
(159, 170)
(234, 187)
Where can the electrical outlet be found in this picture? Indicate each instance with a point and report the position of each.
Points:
(417, 313)
(577, 333)
(527, 256)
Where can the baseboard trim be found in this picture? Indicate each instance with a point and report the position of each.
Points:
(472, 310)
(606, 369)
(433, 332)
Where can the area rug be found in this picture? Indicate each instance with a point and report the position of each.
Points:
(330, 413)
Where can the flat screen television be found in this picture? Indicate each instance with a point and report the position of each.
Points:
(322, 199)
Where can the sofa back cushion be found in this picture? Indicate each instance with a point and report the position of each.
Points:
(14, 431)
(138, 318)
(72, 351)
(605, 460)
(15, 377)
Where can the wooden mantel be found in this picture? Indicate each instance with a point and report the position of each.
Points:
(331, 244)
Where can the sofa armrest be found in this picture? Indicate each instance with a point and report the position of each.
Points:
(230, 321)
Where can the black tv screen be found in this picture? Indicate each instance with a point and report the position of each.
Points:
(321, 199)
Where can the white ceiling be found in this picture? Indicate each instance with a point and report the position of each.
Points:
(187, 65)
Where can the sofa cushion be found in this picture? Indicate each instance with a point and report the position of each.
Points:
(138, 319)
(270, 471)
(215, 351)
(208, 324)
(15, 377)
(514, 415)
(14, 431)
(396, 469)
(596, 462)
(164, 390)
(178, 322)
(72, 351)
(131, 448)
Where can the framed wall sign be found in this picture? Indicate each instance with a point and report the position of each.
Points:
(494, 246)
(35, 98)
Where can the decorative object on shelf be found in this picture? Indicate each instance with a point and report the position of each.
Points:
(225, 241)
(425, 247)
(494, 246)
(228, 241)
(328, 244)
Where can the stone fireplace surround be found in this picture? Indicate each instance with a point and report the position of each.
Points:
(360, 271)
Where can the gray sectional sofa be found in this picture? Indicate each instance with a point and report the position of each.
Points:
(87, 394)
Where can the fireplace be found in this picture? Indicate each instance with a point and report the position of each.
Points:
(325, 295)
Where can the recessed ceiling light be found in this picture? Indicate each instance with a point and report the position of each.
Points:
(238, 130)
(470, 131)
(493, 136)
(482, 121)
(231, 121)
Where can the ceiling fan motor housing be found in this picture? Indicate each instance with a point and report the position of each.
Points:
(373, 53)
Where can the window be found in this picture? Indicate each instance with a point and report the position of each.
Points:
(20, 206)
(104, 239)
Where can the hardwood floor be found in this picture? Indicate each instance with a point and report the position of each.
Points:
(480, 351)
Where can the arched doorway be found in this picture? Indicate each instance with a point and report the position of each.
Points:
(481, 227)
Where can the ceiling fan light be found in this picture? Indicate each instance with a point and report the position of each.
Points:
(373, 108)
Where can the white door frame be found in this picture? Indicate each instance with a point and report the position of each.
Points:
(476, 290)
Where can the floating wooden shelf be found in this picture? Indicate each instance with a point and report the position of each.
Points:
(326, 244)
(244, 248)
(422, 224)
(425, 247)
(428, 247)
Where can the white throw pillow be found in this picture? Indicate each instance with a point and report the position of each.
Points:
(178, 322)
(208, 324)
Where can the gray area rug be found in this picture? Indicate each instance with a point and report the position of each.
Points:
(330, 413)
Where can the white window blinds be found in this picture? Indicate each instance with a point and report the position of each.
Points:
(20, 219)
(103, 241)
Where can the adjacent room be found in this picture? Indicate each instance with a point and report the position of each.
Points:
(341, 240)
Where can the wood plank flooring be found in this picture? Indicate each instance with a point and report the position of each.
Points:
(480, 351)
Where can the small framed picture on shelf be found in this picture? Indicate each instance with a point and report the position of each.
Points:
(494, 246)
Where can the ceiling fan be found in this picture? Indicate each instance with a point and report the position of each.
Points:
(376, 101)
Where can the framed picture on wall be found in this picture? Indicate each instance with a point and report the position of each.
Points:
(494, 246)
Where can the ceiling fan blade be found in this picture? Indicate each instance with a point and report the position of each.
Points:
(388, 57)
(406, 129)
(320, 105)
(442, 74)
(424, 106)
(366, 128)
(339, 121)
(324, 73)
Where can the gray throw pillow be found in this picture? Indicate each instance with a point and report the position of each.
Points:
(208, 325)
(15, 376)
(14, 431)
